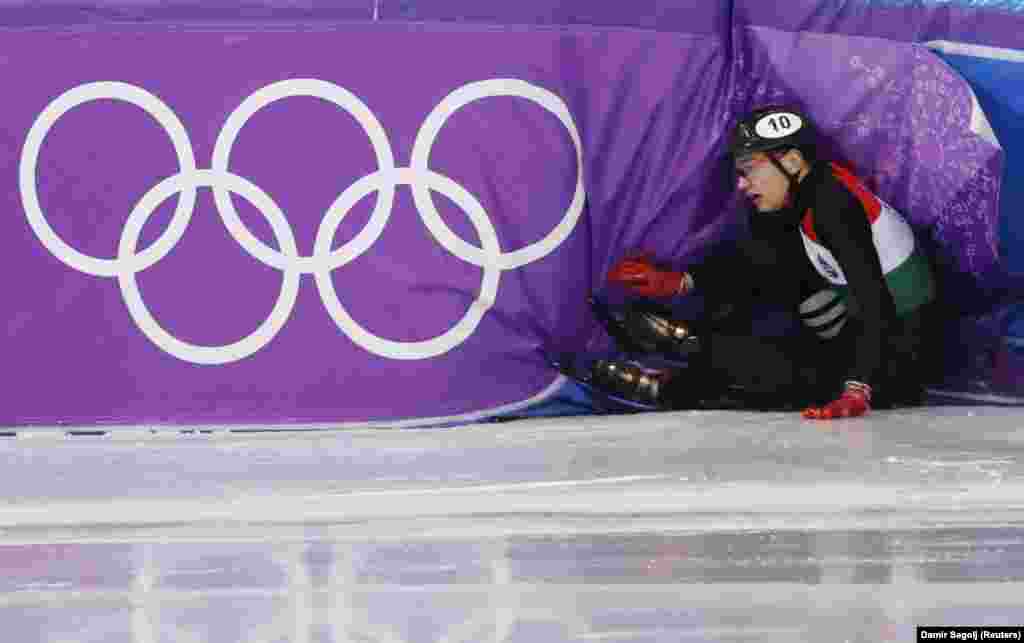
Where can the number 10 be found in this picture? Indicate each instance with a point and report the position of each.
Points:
(782, 121)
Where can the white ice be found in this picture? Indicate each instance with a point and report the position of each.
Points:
(700, 526)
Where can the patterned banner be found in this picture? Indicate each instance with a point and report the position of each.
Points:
(320, 226)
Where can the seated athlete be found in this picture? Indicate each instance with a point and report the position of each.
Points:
(820, 244)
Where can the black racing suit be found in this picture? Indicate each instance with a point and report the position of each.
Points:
(878, 344)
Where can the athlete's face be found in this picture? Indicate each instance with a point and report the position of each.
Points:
(761, 182)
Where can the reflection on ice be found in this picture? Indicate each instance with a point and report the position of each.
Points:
(872, 585)
(668, 527)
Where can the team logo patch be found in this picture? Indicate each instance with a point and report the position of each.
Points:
(828, 268)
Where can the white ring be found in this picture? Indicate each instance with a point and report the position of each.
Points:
(299, 87)
(130, 288)
(421, 158)
(464, 328)
(29, 190)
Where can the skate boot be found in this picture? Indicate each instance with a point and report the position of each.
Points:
(659, 333)
(628, 381)
(644, 328)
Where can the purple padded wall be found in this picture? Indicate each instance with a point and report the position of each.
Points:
(705, 18)
(506, 136)
(406, 213)
(991, 22)
(50, 14)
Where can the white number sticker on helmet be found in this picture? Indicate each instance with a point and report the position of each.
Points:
(778, 124)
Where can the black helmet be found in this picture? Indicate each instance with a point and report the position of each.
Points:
(771, 128)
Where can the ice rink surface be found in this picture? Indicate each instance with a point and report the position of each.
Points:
(699, 526)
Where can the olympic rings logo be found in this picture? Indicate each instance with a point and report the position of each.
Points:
(421, 179)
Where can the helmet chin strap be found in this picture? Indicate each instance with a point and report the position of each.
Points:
(792, 178)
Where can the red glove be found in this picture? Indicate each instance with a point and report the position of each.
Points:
(641, 276)
(854, 402)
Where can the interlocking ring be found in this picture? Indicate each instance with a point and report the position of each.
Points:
(323, 261)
